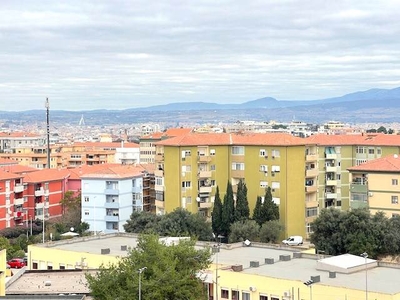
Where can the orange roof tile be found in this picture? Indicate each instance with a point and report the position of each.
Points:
(155, 136)
(81, 170)
(46, 175)
(374, 139)
(172, 132)
(121, 171)
(18, 169)
(389, 163)
(102, 145)
(7, 162)
(4, 175)
(204, 139)
(18, 135)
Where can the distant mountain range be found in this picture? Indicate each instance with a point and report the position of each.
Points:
(374, 105)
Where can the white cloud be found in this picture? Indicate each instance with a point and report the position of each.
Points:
(91, 54)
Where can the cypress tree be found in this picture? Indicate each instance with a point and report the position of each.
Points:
(257, 213)
(216, 215)
(270, 209)
(228, 210)
(242, 211)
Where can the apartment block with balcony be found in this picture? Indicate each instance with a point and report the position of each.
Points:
(110, 195)
(375, 184)
(192, 166)
(12, 211)
(45, 189)
(11, 141)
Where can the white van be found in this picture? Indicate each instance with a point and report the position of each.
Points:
(294, 240)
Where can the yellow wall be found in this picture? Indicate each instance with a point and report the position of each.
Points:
(3, 270)
(277, 287)
(380, 185)
(50, 256)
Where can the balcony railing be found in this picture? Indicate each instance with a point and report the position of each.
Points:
(204, 158)
(110, 204)
(311, 188)
(159, 173)
(39, 192)
(311, 157)
(18, 188)
(18, 201)
(312, 173)
(205, 189)
(204, 174)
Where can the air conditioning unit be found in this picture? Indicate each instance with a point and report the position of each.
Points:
(370, 194)
(286, 294)
(252, 289)
(266, 156)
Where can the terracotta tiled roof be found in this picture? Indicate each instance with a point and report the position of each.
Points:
(103, 145)
(389, 163)
(155, 136)
(4, 175)
(46, 175)
(120, 171)
(7, 162)
(18, 135)
(374, 139)
(204, 139)
(81, 170)
(18, 169)
(177, 131)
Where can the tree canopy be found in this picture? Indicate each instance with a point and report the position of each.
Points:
(356, 231)
(170, 272)
(216, 214)
(242, 210)
(228, 210)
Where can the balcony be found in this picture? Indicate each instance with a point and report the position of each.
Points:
(311, 204)
(111, 218)
(331, 182)
(111, 204)
(159, 157)
(358, 204)
(311, 157)
(18, 215)
(159, 188)
(330, 195)
(159, 173)
(137, 189)
(332, 169)
(312, 173)
(19, 188)
(205, 204)
(18, 201)
(330, 155)
(311, 188)
(237, 173)
(159, 203)
(39, 192)
(205, 189)
(204, 174)
(204, 158)
(358, 188)
(111, 191)
(39, 205)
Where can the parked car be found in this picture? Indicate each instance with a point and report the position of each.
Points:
(295, 240)
(16, 263)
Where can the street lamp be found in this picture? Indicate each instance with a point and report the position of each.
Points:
(365, 255)
(309, 283)
(141, 270)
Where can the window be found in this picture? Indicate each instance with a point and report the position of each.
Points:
(378, 151)
(212, 167)
(185, 153)
(395, 199)
(189, 200)
(238, 166)
(186, 184)
(275, 185)
(276, 153)
(275, 169)
(264, 168)
(360, 161)
(371, 151)
(308, 228)
(212, 152)
(361, 150)
(46, 186)
(187, 168)
(238, 150)
(263, 184)
(311, 212)
(245, 296)
(159, 181)
(86, 199)
(86, 212)
(224, 294)
(263, 297)
(263, 153)
(395, 182)
(212, 182)
(235, 295)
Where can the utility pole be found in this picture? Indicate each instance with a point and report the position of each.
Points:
(48, 131)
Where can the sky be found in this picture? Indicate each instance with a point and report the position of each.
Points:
(87, 55)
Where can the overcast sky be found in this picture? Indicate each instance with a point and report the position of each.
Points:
(127, 54)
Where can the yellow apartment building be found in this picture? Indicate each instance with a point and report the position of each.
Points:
(257, 272)
(190, 167)
(338, 153)
(375, 184)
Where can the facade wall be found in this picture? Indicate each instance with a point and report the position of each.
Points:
(383, 194)
(3, 272)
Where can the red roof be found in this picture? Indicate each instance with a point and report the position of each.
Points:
(105, 145)
(4, 175)
(7, 162)
(18, 135)
(81, 170)
(120, 171)
(204, 139)
(369, 139)
(18, 169)
(389, 163)
(47, 175)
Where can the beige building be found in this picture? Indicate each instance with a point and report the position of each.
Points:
(375, 184)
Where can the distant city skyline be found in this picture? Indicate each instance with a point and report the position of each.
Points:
(87, 55)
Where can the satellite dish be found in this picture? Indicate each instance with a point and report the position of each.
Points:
(198, 199)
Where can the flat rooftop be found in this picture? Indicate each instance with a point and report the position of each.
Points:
(50, 282)
(381, 279)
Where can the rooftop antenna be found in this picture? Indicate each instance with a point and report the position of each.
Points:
(47, 105)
